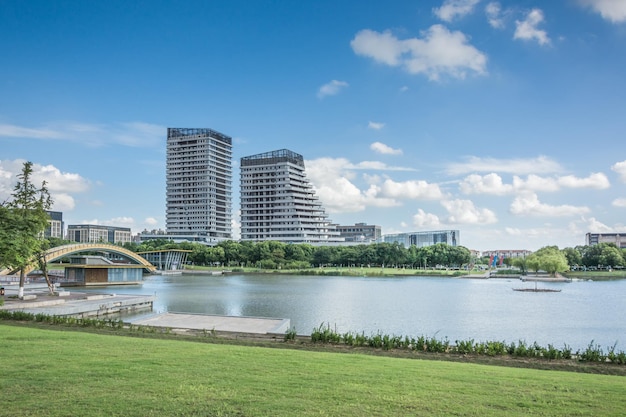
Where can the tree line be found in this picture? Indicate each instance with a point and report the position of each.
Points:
(274, 255)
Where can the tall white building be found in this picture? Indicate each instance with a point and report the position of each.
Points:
(199, 185)
(278, 202)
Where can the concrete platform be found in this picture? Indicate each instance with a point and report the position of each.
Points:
(80, 304)
(256, 325)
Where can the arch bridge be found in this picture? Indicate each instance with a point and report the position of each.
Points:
(60, 252)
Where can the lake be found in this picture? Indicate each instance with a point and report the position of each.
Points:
(456, 308)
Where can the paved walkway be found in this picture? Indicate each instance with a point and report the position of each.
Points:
(257, 325)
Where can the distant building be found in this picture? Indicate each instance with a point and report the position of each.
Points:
(278, 202)
(89, 233)
(55, 225)
(97, 270)
(360, 233)
(507, 253)
(619, 239)
(198, 185)
(421, 239)
(151, 235)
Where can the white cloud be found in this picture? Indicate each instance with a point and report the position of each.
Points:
(116, 221)
(332, 179)
(487, 184)
(493, 184)
(452, 9)
(541, 165)
(494, 15)
(612, 10)
(439, 52)
(529, 205)
(423, 219)
(527, 29)
(597, 181)
(620, 168)
(464, 212)
(619, 202)
(375, 125)
(332, 88)
(384, 149)
(150, 221)
(61, 185)
(413, 189)
(132, 134)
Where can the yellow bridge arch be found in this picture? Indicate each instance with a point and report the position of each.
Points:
(59, 252)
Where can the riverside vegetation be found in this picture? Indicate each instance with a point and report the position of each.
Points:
(324, 334)
(98, 372)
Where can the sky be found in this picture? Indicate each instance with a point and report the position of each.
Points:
(504, 120)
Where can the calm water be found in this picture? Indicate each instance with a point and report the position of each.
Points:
(443, 307)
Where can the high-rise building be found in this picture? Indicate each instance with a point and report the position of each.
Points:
(199, 185)
(420, 239)
(278, 202)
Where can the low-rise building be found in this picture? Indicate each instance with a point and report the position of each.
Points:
(55, 225)
(421, 239)
(360, 233)
(619, 239)
(89, 233)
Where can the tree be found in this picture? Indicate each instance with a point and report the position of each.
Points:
(24, 219)
(573, 256)
(549, 259)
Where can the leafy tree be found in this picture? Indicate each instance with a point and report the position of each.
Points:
(24, 219)
(549, 259)
(573, 256)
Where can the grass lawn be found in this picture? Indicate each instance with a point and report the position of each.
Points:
(71, 373)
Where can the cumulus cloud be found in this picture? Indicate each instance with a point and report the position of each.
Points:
(413, 189)
(384, 149)
(150, 221)
(612, 10)
(528, 30)
(375, 125)
(453, 9)
(438, 52)
(333, 181)
(332, 88)
(619, 202)
(540, 165)
(132, 134)
(61, 185)
(423, 219)
(620, 169)
(487, 184)
(494, 15)
(464, 212)
(529, 205)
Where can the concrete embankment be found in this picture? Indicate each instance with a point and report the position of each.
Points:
(38, 300)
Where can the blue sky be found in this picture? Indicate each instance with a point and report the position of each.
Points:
(504, 120)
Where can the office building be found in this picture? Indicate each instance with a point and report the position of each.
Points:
(199, 185)
(421, 239)
(360, 233)
(55, 225)
(89, 233)
(618, 239)
(278, 202)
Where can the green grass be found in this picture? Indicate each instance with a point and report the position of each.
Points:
(69, 373)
